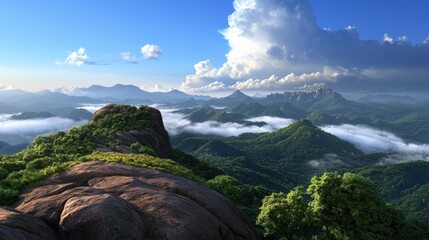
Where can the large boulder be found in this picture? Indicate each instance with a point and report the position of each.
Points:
(101, 216)
(97, 200)
(16, 226)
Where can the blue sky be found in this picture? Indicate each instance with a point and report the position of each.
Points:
(38, 36)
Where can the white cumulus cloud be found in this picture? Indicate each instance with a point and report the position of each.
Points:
(77, 58)
(278, 44)
(151, 51)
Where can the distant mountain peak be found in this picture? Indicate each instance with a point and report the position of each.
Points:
(125, 86)
(175, 91)
(95, 87)
(238, 93)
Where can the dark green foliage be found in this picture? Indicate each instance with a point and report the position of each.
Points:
(404, 185)
(341, 207)
(247, 197)
(278, 159)
(284, 215)
(320, 118)
(3, 173)
(415, 203)
(114, 118)
(201, 114)
(12, 165)
(78, 141)
(198, 167)
(216, 147)
(142, 149)
(223, 116)
(302, 140)
(192, 143)
(8, 196)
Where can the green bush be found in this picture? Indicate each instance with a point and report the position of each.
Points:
(3, 173)
(8, 196)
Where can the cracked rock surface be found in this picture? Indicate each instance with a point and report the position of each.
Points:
(97, 200)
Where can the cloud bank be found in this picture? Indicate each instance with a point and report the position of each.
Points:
(371, 140)
(176, 123)
(35, 126)
(367, 139)
(151, 52)
(278, 45)
(274, 122)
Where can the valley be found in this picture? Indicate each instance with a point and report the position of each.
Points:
(253, 145)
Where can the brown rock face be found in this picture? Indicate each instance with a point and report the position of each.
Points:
(96, 200)
(15, 225)
(101, 216)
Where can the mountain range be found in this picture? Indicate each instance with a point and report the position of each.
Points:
(129, 93)
(121, 166)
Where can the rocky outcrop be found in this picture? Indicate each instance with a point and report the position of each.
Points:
(96, 200)
(155, 137)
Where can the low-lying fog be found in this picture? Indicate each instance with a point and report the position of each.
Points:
(176, 123)
(19, 131)
(367, 139)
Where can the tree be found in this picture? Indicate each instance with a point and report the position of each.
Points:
(348, 208)
(226, 185)
(284, 215)
(341, 207)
